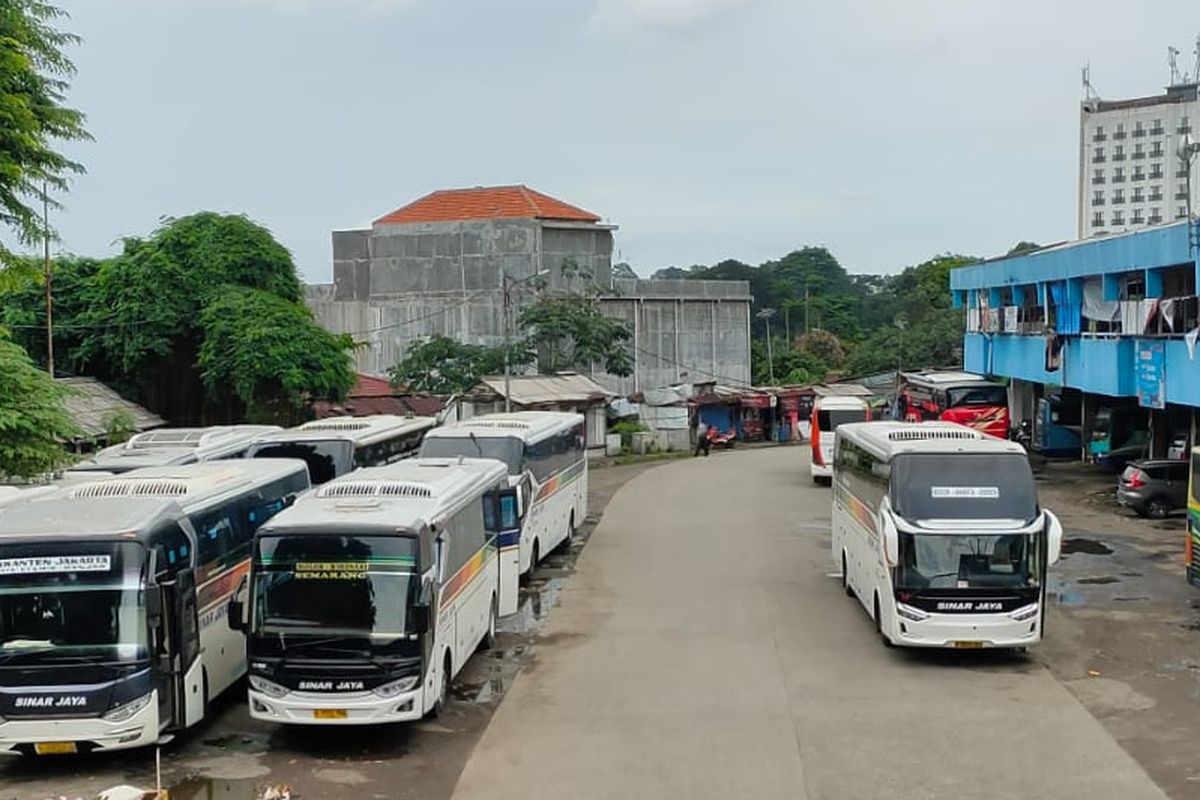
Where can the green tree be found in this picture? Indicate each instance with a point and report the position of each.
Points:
(824, 347)
(441, 365)
(23, 310)
(790, 366)
(271, 353)
(1023, 247)
(34, 78)
(33, 422)
(570, 331)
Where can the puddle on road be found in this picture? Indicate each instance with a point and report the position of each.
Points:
(214, 789)
(1091, 547)
(1103, 579)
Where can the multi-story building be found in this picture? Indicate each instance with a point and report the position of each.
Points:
(1131, 173)
(440, 266)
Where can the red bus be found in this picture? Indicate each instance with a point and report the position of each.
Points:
(960, 397)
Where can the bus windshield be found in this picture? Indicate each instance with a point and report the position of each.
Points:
(336, 585)
(969, 486)
(508, 449)
(326, 460)
(941, 561)
(828, 421)
(72, 600)
(990, 395)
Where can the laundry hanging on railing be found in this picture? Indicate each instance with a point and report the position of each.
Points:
(1095, 307)
(1010, 319)
(1190, 339)
(1054, 345)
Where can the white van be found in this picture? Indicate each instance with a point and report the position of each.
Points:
(827, 414)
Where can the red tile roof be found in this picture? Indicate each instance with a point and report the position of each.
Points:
(370, 386)
(486, 202)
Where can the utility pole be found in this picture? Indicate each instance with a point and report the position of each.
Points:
(806, 306)
(49, 280)
(766, 315)
(504, 285)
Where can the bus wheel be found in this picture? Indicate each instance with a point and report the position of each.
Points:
(879, 625)
(846, 578)
(443, 696)
(534, 556)
(565, 544)
(489, 637)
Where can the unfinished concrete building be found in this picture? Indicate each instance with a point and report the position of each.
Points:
(437, 266)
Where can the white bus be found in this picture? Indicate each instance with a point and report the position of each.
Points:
(174, 446)
(545, 452)
(369, 595)
(337, 445)
(110, 597)
(828, 413)
(938, 532)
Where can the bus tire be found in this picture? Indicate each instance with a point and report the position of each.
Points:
(565, 544)
(204, 698)
(849, 590)
(489, 636)
(535, 555)
(443, 696)
(879, 624)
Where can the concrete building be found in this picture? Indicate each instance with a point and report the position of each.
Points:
(438, 264)
(1112, 320)
(1131, 173)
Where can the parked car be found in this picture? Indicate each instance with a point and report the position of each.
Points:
(1154, 488)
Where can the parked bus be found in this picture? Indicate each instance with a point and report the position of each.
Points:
(110, 598)
(334, 446)
(174, 446)
(938, 532)
(545, 452)
(369, 595)
(1193, 536)
(829, 413)
(961, 397)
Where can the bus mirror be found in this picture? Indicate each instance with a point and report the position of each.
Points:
(420, 618)
(236, 616)
(890, 540)
(154, 605)
(509, 509)
(1054, 537)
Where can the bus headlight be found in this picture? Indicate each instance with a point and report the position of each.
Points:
(1025, 612)
(396, 687)
(269, 688)
(126, 711)
(908, 612)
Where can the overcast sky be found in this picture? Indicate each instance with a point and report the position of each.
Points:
(706, 129)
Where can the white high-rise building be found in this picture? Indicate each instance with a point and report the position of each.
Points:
(1131, 173)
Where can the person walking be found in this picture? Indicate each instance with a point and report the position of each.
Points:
(703, 442)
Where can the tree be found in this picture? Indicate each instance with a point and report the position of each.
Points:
(1023, 247)
(148, 313)
(33, 422)
(23, 310)
(441, 365)
(570, 331)
(823, 346)
(34, 73)
(271, 353)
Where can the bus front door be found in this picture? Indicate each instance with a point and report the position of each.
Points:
(177, 652)
(509, 536)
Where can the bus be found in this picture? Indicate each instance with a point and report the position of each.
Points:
(174, 446)
(961, 397)
(337, 445)
(110, 597)
(1193, 519)
(827, 414)
(546, 456)
(938, 532)
(369, 595)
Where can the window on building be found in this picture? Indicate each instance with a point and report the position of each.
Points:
(1119, 175)
(1181, 212)
(1184, 125)
(1119, 152)
(1155, 216)
(1098, 177)
(1155, 193)
(1118, 218)
(1098, 156)
(1156, 129)
(1139, 129)
(1139, 173)
(1138, 196)
(1118, 197)
(1156, 150)
(1138, 217)
(1097, 220)
(1098, 135)
(1181, 192)
(1155, 171)
(1139, 150)
(1097, 198)
(1119, 133)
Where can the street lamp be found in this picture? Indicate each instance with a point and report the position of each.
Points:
(506, 286)
(766, 315)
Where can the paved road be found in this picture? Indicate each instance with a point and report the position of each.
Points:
(703, 650)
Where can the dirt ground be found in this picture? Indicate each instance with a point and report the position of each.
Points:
(1124, 629)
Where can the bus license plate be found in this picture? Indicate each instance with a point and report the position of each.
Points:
(329, 713)
(53, 748)
(968, 645)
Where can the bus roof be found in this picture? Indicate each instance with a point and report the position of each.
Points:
(888, 439)
(44, 515)
(834, 402)
(407, 494)
(359, 430)
(947, 379)
(527, 425)
(173, 446)
(193, 486)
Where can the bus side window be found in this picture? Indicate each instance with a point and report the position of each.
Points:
(175, 548)
(490, 512)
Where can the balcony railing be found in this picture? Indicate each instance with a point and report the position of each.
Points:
(1138, 154)
(1098, 159)
(1098, 201)
(1099, 137)
(1157, 131)
(1118, 178)
(1118, 201)
(1156, 176)
(1118, 157)
(1182, 129)
(1097, 181)
(1181, 195)
(1119, 135)
(1139, 176)
(1139, 132)
(1156, 219)
(1154, 198)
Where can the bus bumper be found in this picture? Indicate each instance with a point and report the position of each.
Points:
(349, 708)
(87, 735)
(968, 631)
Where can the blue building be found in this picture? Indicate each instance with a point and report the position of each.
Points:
(1097, 337)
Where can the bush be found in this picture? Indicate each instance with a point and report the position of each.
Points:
(627, 430)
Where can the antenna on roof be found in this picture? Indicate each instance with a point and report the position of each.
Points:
(1173, 63)
(1197, 52)
(1089, 91)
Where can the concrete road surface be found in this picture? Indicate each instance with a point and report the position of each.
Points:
(704, 649)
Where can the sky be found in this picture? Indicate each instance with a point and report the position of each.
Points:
(705, 129)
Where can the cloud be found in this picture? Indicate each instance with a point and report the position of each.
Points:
(626, 16)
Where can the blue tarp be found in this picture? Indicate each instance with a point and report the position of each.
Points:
(1068, 311)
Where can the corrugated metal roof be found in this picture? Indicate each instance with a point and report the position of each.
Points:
(92, 405)
(529, 390)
